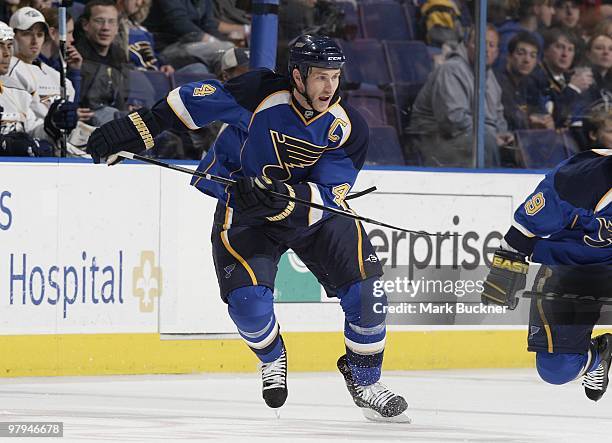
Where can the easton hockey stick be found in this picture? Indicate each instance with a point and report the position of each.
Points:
(113, 159)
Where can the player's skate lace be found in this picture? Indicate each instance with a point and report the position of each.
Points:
(376, 395)
(274, 381)
(595, 379)
(595, 382)
(274, 374)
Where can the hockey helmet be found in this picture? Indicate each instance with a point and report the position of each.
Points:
(308, 51)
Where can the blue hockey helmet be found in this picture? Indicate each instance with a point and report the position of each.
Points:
(319, 51)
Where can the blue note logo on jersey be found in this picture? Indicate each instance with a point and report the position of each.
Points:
(604, 235)
(204, 90)
(291, 152)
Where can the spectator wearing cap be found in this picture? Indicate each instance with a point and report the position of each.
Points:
(104, 72)
(524, 104)
(22, 133)
(38, 78)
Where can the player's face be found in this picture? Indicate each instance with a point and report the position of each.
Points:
(322, 85)
(604, 135)
(6, 51)
(29, 42)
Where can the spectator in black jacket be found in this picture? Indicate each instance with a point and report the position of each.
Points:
(104, 72)
(187, 32)
(524, 104)
(563, 85)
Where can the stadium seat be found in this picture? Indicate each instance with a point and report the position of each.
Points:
(385, 148)
(351, 17)
(147, 87)
(385, 21)
(543, 148)
(408, 61)
(367, 63)
(402, 97)
(370, 102)
(182, 78)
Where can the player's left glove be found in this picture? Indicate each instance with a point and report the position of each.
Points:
(507, 276)
(253, 200)
(133, 133)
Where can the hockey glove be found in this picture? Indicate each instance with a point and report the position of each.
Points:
(253, 199)
(20, 144)
(133, 133)
(62, 115)
(507, 276)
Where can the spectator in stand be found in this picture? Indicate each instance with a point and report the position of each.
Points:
(36, 77)
(36, 4)
(186, 32)
(562, 84)
(567, 17)
(22, 133)
(532, 16)
(49, 54)
(104, 72)
(441, 120)
(599, 58)
(7, 7)
(524, 105)
(136, 40)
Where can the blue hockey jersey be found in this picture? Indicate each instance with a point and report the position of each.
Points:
(567, 220)
(268, 133)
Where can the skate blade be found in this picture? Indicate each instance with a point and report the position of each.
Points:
(372, 415)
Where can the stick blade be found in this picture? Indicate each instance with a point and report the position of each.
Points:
(113, 159)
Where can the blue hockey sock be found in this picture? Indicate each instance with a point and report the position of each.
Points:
(364, 331)
(252, 310)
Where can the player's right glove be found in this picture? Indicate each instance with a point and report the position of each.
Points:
(252, 199)
(133, 133)
(507, 276)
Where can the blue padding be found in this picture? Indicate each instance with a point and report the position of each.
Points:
(558, 369)
(361, 300)
(252, 310)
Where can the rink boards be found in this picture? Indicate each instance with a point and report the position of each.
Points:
(108, 270)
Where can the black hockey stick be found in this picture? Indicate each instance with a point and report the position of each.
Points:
(571, 298)
(229, 182)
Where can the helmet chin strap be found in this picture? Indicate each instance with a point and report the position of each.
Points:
(305, 93)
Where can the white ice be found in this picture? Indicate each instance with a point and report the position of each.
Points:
(445, 405)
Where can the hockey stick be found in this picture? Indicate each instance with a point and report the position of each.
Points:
(569, 298)
(61, 12)
(229, 182)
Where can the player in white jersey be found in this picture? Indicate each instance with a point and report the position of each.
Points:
(20, 128)
(38, 78)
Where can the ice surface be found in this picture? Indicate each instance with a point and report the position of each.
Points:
(446, 406)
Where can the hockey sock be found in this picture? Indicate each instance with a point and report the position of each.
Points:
(364, 331)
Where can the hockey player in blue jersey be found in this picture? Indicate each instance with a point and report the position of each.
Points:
(566, 225)
(293, 135)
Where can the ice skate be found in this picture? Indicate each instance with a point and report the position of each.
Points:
(274, 379)
(596, 382)
(376, 401)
